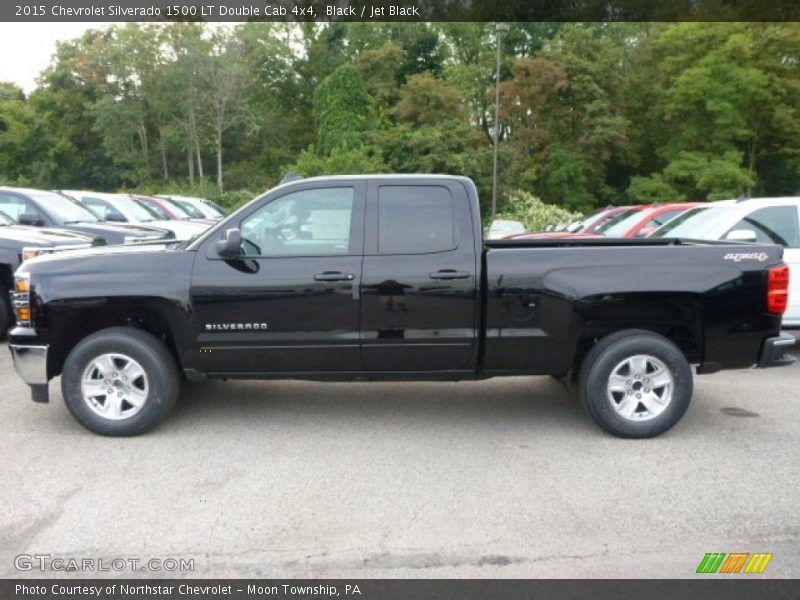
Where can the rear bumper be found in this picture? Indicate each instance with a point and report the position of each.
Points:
(774, 351)
(30, 363)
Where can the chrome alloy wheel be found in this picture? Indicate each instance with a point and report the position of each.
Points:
(640, 387)
(114, 386)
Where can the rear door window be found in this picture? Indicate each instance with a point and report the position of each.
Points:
(418, 219)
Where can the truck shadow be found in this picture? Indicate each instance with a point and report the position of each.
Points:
(507, 401)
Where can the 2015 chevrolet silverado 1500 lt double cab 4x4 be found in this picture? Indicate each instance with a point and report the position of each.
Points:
(388, 277)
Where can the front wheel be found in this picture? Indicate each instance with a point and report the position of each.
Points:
(635, 384)
(120, 381)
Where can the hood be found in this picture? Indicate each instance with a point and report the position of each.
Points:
(20, 235)
(119, 233)
(120, 271)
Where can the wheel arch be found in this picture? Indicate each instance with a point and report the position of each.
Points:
(678, 318)
(70, 324)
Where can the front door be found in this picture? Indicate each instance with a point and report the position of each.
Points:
(419, 289)
(290, 302)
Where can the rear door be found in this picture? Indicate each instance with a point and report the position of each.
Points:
(290, 302)
(419, 286)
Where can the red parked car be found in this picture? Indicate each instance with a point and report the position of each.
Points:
(588, 227)
(620, 222)
(643, 222)
(169, 210)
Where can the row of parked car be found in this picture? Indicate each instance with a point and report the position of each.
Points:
(34, 222)
(756, 220)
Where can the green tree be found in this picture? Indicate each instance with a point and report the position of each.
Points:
(343, 111)
(565, 118)
(535, 214)
(722, 107)
(432, 134)
(340, 161)
(224, 81)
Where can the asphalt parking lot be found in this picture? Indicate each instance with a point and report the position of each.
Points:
(502, 478)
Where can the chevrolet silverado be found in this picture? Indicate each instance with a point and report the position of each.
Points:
(389, 278)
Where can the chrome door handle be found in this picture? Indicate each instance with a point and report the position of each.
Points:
(450, 274)
(333, 276)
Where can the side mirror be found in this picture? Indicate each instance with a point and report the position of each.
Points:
(31, 219)
(114, 217)
(230, 245)
(742, 235)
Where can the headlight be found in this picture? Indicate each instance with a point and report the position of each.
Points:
(22, 299)
(29, 253)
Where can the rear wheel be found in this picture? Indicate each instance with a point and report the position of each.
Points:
(635, 384)
(120, 381)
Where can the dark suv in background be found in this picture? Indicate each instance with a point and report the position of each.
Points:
(19, 243)
(38, 208)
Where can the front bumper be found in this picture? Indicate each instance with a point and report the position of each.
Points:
(30, 363)
(774, 351)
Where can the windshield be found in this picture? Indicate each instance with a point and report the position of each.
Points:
(154, 208)
(621, 215)
(619, 228)
(5, 220)
(212, 210)
(138, 211)
(63, 210)
(188, 208)
(578, 226)
(176, 208)
(694, 223)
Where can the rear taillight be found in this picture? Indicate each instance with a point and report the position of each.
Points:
(778, 289)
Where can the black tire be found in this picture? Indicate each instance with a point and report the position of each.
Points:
(602, 360)
(6, 315)
(158, 364)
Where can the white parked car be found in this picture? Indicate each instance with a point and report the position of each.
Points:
(501, 228)
(206, 208)
(763, 220)
(126, 209)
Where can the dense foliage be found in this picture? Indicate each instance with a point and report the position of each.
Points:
(535, 214)
(590, 113)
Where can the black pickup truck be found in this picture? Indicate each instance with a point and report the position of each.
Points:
(389, 278)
